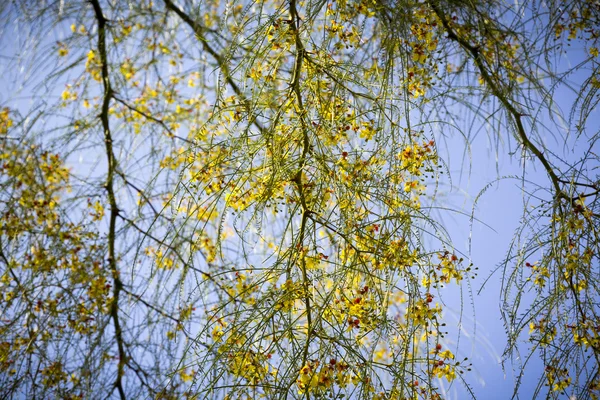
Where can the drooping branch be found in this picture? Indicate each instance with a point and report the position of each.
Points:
(475, 54)
(109, 186)
(199, 30)
(297, 179)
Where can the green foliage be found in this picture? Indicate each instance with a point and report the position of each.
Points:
(242, 199)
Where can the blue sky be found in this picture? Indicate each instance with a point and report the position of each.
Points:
(497, 215)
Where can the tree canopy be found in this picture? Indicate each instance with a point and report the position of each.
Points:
(248, 199)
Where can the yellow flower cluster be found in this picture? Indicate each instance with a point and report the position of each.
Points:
(414, 157)
(316, 378)
(93, 65)
(243, 361)
(356, 308)
(557, 378)
(420, 312)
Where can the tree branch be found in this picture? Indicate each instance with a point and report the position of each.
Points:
(109, 186)
(199, 31)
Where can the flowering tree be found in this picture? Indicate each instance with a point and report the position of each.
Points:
(240, 199)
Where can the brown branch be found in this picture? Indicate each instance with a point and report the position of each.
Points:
(152, 118)
(109, 186)
(205, 275)
(151, 306)
(517, 116)
(297, 179)
(221, 62)
(140, 192)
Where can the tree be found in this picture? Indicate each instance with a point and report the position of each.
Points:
(242, 199)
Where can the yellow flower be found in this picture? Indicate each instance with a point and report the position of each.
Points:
(217, 333)
(185, 376)
(561, 385)
(447, 354)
